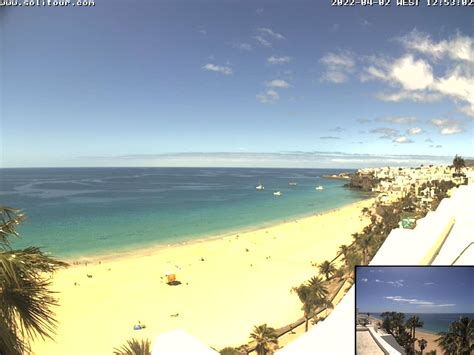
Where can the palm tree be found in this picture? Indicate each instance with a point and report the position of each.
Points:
(394, 323)
(458, 163)
(460, 337)
(413, 323)
(266, 339)
(422, 344)
(353, 259)
(344, 251)
(318, 287)
(313, 295)
(447, 341)
(134, 347)
(363, 242)
(230, 351)
(25, 298)
(327, 269)
(304, 293)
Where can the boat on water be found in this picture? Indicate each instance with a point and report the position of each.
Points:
(277, 193)
(260, 187)
(292, 183)
(319, 188)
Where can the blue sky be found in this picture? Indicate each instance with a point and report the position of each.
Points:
(155, 82)
(415, 289)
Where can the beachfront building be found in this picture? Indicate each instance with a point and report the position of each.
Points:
(398, 181)
(371, 340)
(442, 237)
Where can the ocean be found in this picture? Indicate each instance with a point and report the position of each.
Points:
(74, 212)
(434, 322)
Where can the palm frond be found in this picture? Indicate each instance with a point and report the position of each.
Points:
(24, 290)
(134, 347)
(9, 219)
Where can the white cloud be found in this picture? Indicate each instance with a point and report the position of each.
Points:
(243, 46)
(415, 79)
(440, 121)
(398, 119)
(412, 74)
(429, 283)
(402, 95)
(218, 68)
(262, 41)
(269, 97)
(447, 126)
(451, 130)
(364, 280)
(439, 305)
(386, 133)
(338, 67)
(458, 47)
(397, 283)
(270, 33)
(413, 301)
(265, 36)
(458, 84)
(329, 137)
(409, 73)
(278, 60)
(468, 110)
(277, 83)
(414, 131)
(342, 59)
(402, 139)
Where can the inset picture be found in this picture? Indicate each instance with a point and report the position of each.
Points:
(414, 310)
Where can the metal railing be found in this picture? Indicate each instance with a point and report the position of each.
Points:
(464, 250)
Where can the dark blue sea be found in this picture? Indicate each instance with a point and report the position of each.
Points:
(83, 211)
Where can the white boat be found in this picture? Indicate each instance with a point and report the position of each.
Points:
(277, 193)
(292, 183)
(260, 187)
(320, 188)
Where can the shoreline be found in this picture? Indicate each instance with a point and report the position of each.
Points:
(423, 330)
(155, 248)
(227, 286)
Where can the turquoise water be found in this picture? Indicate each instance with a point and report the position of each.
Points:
(84, 211)
(435, 322)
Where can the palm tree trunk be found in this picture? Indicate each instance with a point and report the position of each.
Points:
(306, 324)
(414, 330)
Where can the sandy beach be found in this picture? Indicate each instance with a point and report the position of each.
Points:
(430, 338)
(228, 285)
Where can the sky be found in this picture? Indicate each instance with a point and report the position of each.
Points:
(415, 289)
(235, 83)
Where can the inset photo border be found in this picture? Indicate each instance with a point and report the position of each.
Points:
(414, 310)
